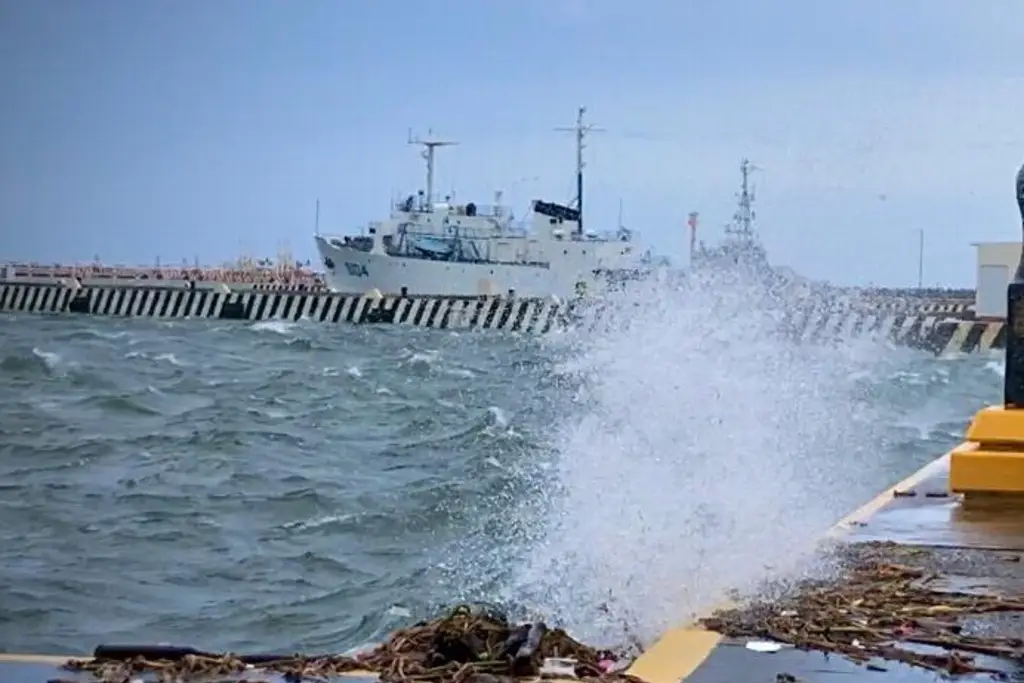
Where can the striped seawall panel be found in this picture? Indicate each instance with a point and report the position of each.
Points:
(528, 315)
(34, 298)
(962, 336)
(489, 313)
(936, 334)
(149, 302)
(176, 302)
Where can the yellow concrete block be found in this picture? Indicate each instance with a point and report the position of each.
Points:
(675, 656)
(997, 424)
(975, 468)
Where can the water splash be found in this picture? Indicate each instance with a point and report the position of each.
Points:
(704, 449)
(276, 326)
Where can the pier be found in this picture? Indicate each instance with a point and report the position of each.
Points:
(932, 327)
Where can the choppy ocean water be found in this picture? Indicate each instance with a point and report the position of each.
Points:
(302, 486)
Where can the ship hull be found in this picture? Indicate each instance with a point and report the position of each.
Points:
(351, 271)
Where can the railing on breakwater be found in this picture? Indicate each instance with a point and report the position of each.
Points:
(257, 277)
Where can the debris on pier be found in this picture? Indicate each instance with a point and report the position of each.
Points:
(896, 603)
(467, 645)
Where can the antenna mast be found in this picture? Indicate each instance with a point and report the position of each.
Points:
(580, 129)
(743, 219)
(429, 145)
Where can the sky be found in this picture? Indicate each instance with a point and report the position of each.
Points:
(137, 131)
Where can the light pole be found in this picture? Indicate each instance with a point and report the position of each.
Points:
(920, 258)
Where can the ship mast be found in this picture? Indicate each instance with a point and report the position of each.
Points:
(580, 129)
(429, 145)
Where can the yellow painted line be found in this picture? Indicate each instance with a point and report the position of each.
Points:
(679, 651)
(675, 655)
(56, 660)
(869, 509)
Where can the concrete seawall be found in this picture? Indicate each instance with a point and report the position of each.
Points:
(527, 315)
(936, 331)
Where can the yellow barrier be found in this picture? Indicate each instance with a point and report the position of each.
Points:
(991, 460)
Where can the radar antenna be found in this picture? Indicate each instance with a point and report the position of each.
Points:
(580, 129)
(429, 145)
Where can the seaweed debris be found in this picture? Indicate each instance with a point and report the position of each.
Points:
(467, 645)
(885, 604)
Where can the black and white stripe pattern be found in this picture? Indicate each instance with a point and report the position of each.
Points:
(962, 309)
(938, 334)
(952, 309)
(512, 314)
(35, 298)
(961, 336)
(823, 326)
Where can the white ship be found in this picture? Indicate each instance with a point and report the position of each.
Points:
(429, 247)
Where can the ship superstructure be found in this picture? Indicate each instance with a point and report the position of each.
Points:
(429, 246)
(741, 245)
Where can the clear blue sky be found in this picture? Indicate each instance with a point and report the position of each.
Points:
(134, 130)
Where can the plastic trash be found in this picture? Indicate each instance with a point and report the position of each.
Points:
(763, 646)
(558, 667)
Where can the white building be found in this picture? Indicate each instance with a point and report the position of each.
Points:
(997, 262)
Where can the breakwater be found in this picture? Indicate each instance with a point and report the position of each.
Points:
(512, 314)
(938, 331)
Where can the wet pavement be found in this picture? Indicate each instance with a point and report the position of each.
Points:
(974, 550)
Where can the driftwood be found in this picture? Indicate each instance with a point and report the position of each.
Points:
(464, 646)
